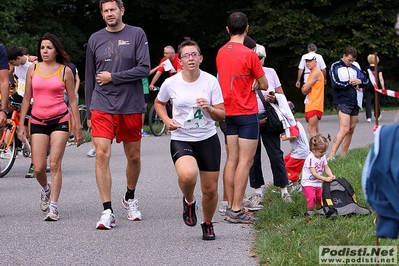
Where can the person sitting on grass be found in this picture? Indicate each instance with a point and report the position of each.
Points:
(312, 172)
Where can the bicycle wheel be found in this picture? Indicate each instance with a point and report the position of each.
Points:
(82, 114)
(7, 158)
(156, 124)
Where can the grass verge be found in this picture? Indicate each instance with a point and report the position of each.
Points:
(285, 236)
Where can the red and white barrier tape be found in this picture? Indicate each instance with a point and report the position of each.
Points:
(390, 93)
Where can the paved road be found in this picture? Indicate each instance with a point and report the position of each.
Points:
(161, 238)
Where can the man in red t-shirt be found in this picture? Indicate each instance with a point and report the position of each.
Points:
(240, 74)
(172, 67)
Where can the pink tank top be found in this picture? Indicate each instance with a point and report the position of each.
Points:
(48, 96)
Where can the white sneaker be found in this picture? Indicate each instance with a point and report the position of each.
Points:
(91, 152)
(368, 120)
(287, 198)
(255, 203)
(107, 220)
(45, 199)
(222, 208)
(297, 188)
(246, 202)
(132, 207)
(52, 214)
(71, 141)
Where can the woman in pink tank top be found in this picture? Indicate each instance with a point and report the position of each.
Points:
(50, 119)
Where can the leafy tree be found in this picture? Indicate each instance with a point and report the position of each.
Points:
(288, 27)
(28, 20)
(284, 27)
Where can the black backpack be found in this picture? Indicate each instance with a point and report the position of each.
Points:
(339, 199)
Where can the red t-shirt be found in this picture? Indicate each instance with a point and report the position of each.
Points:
(175, 64)
(237, 68)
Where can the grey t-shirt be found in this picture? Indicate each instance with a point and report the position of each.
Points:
(126, 56)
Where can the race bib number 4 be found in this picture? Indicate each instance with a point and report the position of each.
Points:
(194, 118)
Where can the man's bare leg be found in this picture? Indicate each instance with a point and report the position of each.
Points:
(103, 174)
(344, 125)
(246, 153)
(133, 168)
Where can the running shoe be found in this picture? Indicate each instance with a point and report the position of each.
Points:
(26, 149)
(45, 199)
(246, 202)
(132, 207)
(254, 203)
(107, 220)
(242, 217)
(144, 134)
(52, 214)
(222, 208)
(31, 172)
(309, 213)
(287, 198)
(71, 141)
(207, 231)
(91, 152)
(297, 188)
(189, 216)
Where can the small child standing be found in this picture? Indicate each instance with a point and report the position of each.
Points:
(295, 159)
(312, 173)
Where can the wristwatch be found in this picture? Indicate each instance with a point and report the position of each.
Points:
(4, 111)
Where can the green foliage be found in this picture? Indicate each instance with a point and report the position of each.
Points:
(284, 27)
(288, 27)
(25, 21)
(284, 236)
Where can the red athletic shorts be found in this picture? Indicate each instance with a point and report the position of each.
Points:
(126, 127)
(293, 167)
(313, 113)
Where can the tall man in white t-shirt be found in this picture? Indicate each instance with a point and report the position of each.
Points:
(312, 48)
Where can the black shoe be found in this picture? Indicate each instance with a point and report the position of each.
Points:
(48, 169)
(189, 216)
(207, 231)
(309, 213)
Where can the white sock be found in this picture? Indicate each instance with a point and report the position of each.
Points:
(284, 190)
(224, 202)
(54, 204)
(46, 188)
(189, 202)
(259, 191)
